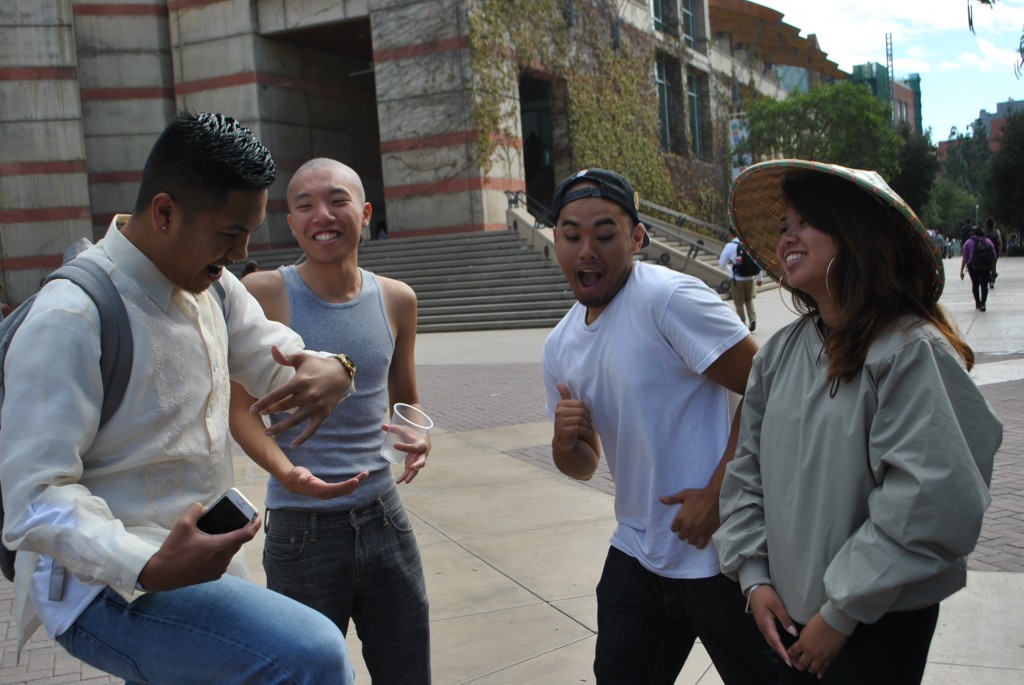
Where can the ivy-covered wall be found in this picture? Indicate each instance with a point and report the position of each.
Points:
(605, 68)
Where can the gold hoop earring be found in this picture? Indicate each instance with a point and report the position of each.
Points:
(783, 299)
(827, 289)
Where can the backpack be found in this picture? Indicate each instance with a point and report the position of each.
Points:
(984, 256)
(116, 351)
(115, 348)
(743, 264)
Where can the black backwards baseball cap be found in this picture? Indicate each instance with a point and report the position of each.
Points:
(608, 185)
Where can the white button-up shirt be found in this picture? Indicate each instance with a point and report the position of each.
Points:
(102, 501)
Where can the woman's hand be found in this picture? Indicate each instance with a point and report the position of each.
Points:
(767, 608)
(817, 648)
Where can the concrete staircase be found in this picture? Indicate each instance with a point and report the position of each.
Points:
(464, 282)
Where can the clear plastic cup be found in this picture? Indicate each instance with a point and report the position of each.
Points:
(408, 424)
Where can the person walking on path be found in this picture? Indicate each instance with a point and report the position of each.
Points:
(995, 236)
(639, 372)
(745, 273)
(861, 476)
(979, 258)
(338, 538)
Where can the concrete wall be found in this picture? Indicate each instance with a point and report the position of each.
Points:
(44, 192)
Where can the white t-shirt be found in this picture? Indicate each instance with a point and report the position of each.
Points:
(663, 424)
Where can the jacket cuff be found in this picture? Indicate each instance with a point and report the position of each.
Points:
(125, 566)
(837, 619)
(753, 571)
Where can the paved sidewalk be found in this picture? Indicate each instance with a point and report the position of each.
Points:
(512, 549)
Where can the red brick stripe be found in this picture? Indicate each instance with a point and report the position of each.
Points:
(60, 166)
(46, 261)
(421, 49)
(38, 73)
(14, 216)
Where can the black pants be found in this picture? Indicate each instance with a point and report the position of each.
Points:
(646, 625)
(892, 651)
(979, 285)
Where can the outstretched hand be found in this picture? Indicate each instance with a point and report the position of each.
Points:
(301, 481)
(313, 393)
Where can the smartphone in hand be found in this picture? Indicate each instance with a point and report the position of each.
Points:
(231, 512)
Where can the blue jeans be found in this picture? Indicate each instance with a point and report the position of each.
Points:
(222, 632)
(362, 565)
(646, 626)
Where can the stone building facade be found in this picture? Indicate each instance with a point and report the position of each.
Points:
(385, 85)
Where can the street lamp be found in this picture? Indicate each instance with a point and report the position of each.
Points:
(975, 215)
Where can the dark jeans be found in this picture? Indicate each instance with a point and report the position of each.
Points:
(892, 651)
(364, 565)
(646, 626)
(979, 285)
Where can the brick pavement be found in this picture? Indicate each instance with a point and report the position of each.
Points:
(466, 397)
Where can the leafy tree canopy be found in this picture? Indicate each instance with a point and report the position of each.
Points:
(967, 154)
(840, 124)
(947, 208)
(1003, 190)
(918, 166)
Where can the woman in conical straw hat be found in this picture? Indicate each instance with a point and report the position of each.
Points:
(862, 472)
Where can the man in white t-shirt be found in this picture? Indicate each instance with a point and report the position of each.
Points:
(640, 371)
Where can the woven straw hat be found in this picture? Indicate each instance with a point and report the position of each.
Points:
(756, 206)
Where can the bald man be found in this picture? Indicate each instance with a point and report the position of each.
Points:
(338, 538)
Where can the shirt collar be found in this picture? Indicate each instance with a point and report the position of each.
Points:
(129, 259)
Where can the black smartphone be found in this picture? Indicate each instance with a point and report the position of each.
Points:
(230, 512)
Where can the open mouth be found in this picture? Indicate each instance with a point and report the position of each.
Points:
(588, 279)
(214, 271)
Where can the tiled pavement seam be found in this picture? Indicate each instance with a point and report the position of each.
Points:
(467, 397)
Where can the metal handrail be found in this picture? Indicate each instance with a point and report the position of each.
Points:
(679, 218)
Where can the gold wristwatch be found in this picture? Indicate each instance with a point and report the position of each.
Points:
(350, 366)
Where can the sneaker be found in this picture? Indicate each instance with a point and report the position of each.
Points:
(753, 325)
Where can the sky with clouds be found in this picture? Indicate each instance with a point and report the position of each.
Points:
(961, 73)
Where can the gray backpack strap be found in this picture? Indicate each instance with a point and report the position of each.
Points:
(116, 350)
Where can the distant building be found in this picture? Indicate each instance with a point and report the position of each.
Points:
(905, 96)
(994, 123)
(387, 87)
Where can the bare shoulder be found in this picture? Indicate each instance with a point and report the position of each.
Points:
(269, 290)
(396, 293)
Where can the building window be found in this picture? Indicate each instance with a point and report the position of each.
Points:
(668, 83)
(664, 16)
(696, 115)
(689, 22)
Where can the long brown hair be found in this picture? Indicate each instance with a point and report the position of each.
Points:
(881, 273)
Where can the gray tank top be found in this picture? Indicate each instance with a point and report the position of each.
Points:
(349, 440)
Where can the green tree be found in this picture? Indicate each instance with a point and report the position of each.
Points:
(967, 156)
(1003, 192)
(918, 167)
(840, 124)
(947, 208)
